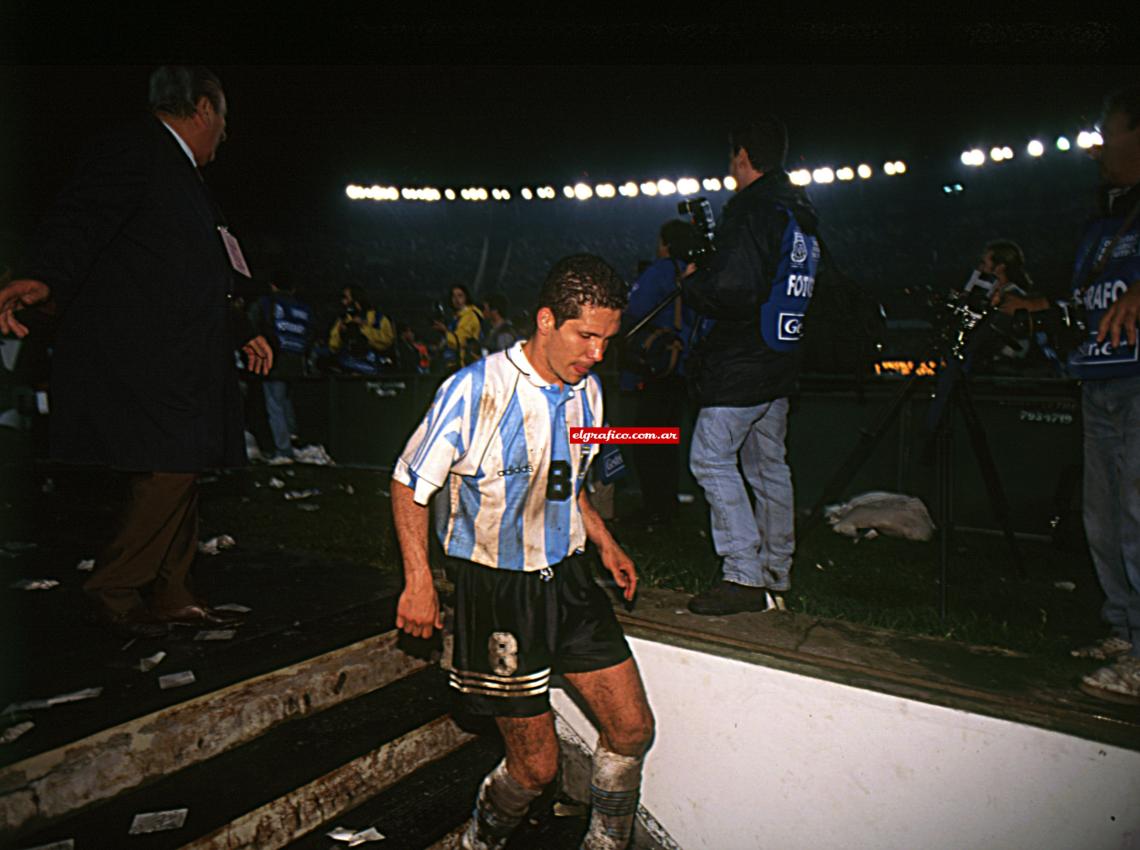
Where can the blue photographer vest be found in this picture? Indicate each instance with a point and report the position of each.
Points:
(782, 316)
(292, 322)
(1093, 360)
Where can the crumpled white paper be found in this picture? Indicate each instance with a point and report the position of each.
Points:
(216, 544)
(314, 455)
(893, 514)
(353, 837)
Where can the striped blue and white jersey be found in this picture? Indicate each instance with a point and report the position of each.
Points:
(497, 440)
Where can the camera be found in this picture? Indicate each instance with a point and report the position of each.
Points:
(1064, 325)
(970, 308)
(350, 311)
(700, 214)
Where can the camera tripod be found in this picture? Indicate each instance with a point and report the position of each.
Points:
(955, 393)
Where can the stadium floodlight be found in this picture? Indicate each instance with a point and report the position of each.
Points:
(583, 192)
(495, 193)
(688, 186)
(889, 169)
(958, 187)
(605, 190)
(449, 194)
(1007, 152)
(823, 175)
(1085, 140)
(864, 171)
(1035, 148)
(355, 193)
(997, 154)
(846, 173)
(946, 188)
(1097, 138)
(568, 191)
(730, 183)
(526, 193)
(711, 184)
(482, 194)
(900, 167)
(800, 177)
(1063, 143)
(628, 189)
(974, 157)
(666, 186)
(649, 188)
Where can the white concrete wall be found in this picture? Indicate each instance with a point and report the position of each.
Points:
(748, 758)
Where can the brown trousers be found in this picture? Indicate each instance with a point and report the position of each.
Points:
(155, 545)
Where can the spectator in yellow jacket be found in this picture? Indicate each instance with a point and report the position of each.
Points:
(361, 326)
(462, 333)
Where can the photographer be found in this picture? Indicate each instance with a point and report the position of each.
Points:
(752, 295)
(362, 334)
(653, 366)
(461, 335)
(1106, 283)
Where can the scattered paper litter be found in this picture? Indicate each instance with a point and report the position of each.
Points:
(352, 837)
(234, 607)
(66, 844)
(17, 546)
(74, 696)
(309, 506)
(216, 544)
(893, 514)
(276, 483)
(151, 661)
(686, 498)
(176, 680)
(290, 473)
(215, 634)
(34, 584)
(86, 565)
(13, 732)
(158, 821)
(314, 455)
(297, 495)
(1064, 585)
(347, 488)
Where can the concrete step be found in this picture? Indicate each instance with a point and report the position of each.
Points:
(49, 785)
(431, 807)
(286, 782)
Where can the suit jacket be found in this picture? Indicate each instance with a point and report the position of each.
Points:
(143, 372)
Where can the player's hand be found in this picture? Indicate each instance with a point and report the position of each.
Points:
(1123, 315)
(690, 269)
(259, 355)
(16, 296)
(417, 612)
(621, 568)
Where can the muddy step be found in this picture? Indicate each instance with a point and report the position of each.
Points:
(52, 784)
(286, 782)
(430, 808)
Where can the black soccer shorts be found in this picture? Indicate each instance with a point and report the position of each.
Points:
(513, 629)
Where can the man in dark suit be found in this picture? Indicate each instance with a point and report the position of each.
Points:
(136, 257)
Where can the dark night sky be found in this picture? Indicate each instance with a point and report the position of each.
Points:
(299, 132)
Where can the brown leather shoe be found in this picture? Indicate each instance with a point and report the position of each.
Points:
(196, 615)
(136, 623)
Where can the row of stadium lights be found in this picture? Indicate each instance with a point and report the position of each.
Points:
(629, 189)
(977, 157)
(691, 186)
